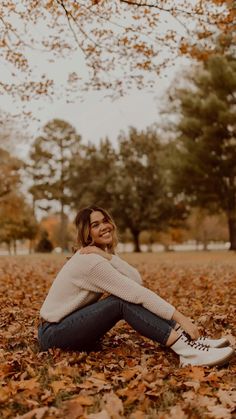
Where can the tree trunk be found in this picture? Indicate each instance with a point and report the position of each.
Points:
(9, 247)
(30, 248)
(205, 241)
(63, 230)
(136, 240)
(150, 247)
(232, 230)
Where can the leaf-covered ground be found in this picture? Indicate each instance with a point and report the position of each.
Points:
(130, 376)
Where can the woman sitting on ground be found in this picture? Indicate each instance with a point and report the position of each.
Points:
(73, 317)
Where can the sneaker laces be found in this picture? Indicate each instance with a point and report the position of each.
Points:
(203, 338)
(194, 344)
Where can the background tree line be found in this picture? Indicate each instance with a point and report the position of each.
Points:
(149, 181)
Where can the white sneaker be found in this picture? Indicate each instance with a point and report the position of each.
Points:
(195, 353)
(213, 343)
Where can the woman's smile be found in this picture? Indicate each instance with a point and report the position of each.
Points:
(101, 230)
(106, 233)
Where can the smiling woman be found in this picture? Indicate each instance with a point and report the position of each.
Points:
(101, 229)
(95, 226)
(74, 319)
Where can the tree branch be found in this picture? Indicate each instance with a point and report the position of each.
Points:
(170, 10)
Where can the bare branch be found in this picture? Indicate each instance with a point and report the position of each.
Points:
(68, 15)
(199, 14)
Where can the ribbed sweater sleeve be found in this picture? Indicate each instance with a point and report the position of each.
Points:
(126, 269)
(105, 278)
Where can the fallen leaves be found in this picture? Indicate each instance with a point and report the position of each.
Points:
(130, 376)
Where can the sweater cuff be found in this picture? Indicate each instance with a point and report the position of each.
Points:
(170, 311)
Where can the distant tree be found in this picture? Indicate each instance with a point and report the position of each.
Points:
(204, 153)
(50, 155)
(17, 220)
(93, 175)
(143, 200)
(129, 182)
(204, 227)
(9, 173)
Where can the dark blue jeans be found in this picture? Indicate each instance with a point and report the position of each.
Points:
(82, 329)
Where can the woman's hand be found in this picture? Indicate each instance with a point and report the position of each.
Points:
(190, 328)
(186, 324)
(94, 249)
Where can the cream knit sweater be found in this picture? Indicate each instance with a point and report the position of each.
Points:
(84, 278)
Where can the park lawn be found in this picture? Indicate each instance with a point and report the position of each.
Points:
(130, 376)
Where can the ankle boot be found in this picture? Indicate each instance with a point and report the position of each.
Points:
(213, 343)
(195, 353)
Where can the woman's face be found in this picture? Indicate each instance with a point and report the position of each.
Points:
(100, 229)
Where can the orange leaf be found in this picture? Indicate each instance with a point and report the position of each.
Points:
(114, 405)
(72, 409)
(58, 385)
(197, 373)
(84, 400)
(4, 394)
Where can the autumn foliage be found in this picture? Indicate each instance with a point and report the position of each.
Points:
(128, 376)
(122, 44)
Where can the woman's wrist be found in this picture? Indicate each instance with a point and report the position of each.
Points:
(108, 256)
(178, 317)
(105, 254)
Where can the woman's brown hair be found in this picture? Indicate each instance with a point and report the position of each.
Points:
(82, 223)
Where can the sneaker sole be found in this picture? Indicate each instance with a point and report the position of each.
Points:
(222, 361)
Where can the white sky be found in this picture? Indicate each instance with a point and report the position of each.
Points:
(95, 116)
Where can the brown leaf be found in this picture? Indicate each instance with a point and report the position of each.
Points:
(113, 405)
(4, 394)
(127, 374)
(138, 414)
(103, 414)
(83, 400)
(72, 409)
(219, 412)
(177, 412)
(194, 384)
(227, 398)
(197, 373)
(38, 413)
(58, 386)
(31, 384)
(189, 396)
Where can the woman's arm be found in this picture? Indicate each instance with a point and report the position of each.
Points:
(126, 269)
(186, 324)
(113, 281)
(102, 277)
(119, 264)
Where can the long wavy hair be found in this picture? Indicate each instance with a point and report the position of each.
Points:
(82, 223)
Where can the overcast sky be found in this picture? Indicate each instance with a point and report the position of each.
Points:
(95, 116)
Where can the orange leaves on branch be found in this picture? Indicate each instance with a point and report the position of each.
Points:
(105, 34)
(18, 59)
(222, 2)
(195, 52)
